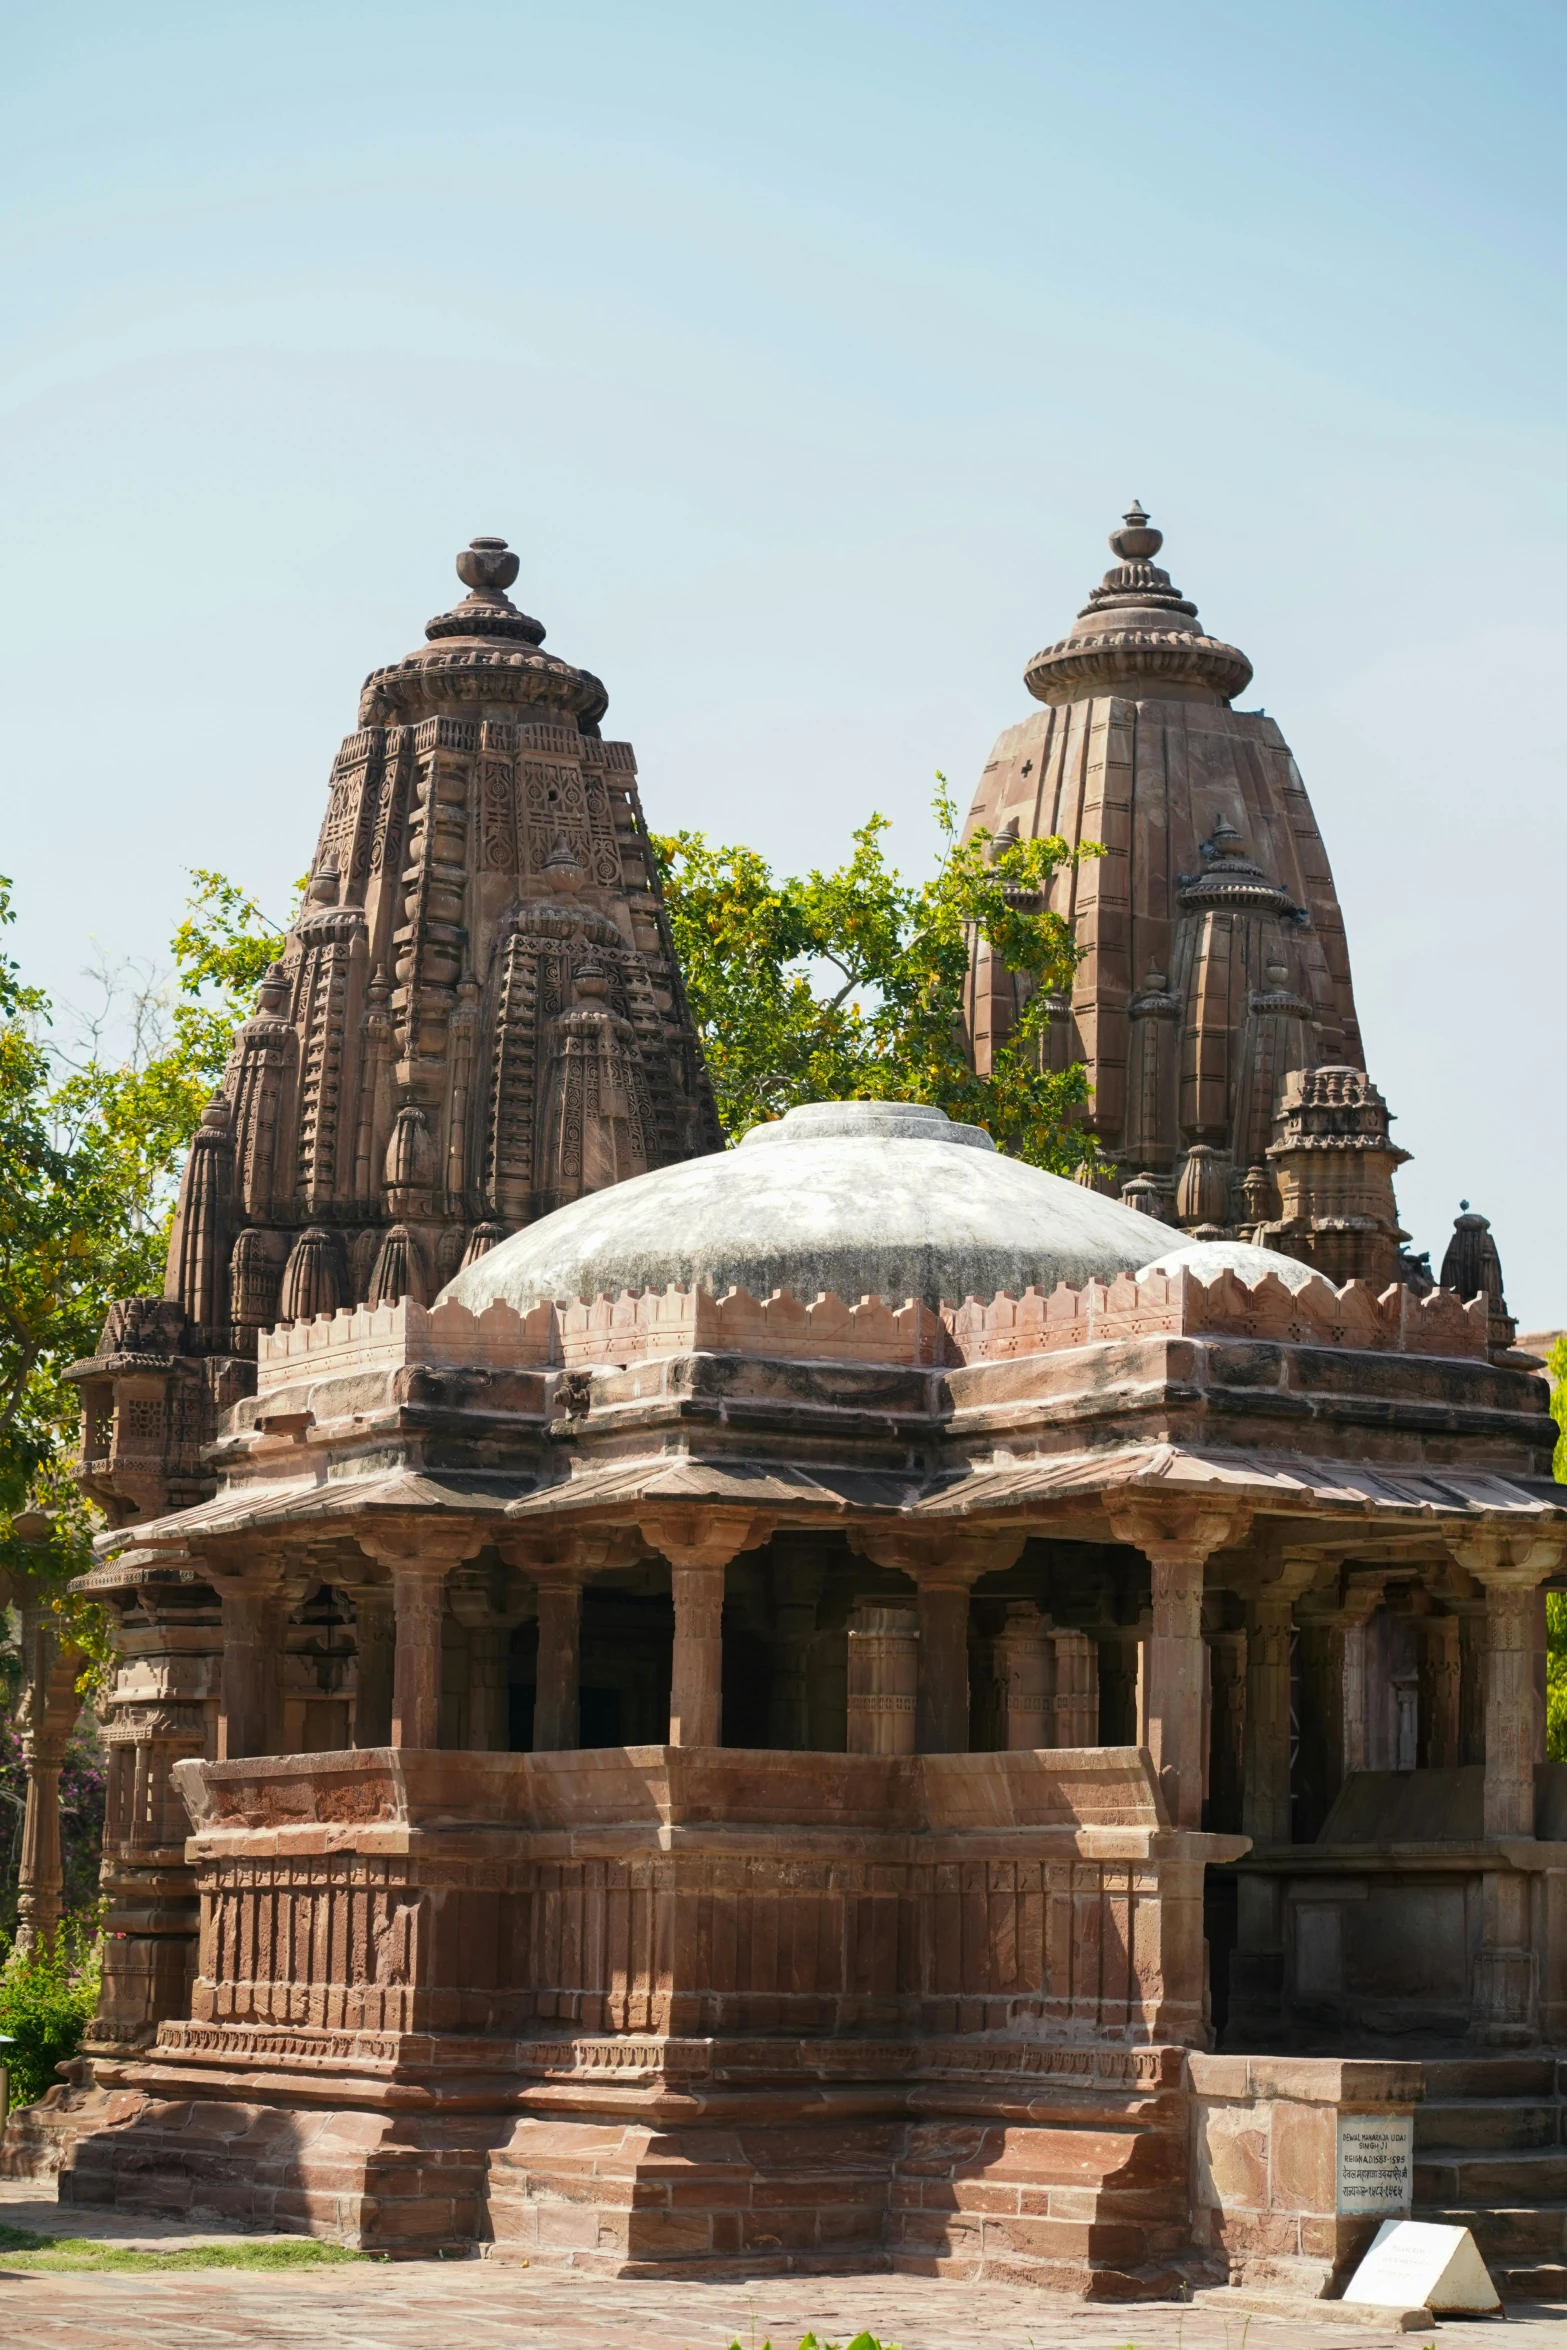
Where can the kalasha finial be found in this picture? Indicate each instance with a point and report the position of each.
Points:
(1136, 542)
(487, 564)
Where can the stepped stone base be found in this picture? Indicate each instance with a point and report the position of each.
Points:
(1491, 2156)
(40, 2140)
(1090, 2201)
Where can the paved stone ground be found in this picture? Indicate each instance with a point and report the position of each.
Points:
(480, 2305)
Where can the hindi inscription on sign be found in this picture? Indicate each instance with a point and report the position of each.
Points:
(1376, 2162)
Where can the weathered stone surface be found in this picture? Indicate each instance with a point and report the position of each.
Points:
(887, 1199)
(1213, 1004)
(476, 1016)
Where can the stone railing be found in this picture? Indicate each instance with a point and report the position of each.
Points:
(1044, 1892)
(641, 1324)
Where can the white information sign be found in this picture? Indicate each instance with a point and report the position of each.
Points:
(1376, 2163)
(1416, 2264)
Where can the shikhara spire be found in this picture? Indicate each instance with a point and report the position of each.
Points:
(476, 1017)
(1213, 1004)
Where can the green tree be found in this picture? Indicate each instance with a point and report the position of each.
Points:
(91, 1144)
(1556, 1601)
(850, 983)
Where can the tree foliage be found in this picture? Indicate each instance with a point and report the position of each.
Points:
(849, 983)
(1556, 1601)
(47, 2000)
(91, 1143)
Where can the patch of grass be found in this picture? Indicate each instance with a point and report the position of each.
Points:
(20, 2248)
(861, 2341)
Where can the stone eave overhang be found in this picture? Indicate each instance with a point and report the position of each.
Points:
(327, 1504)
(119, 1366)
(1346, 1497)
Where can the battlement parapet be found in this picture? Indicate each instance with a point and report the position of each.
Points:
(637, 1325)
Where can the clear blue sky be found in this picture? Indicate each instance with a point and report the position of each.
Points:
(806, 353)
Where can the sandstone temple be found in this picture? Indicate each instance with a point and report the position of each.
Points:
(840, 1700)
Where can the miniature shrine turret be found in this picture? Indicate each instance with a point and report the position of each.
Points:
(1213, 1004)
(476, 1016)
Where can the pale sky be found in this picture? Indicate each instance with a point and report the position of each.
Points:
(806, 354)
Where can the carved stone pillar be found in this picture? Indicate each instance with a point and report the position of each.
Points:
(699, 1546)
(1226, 1730)
(1439, 1744)
(884, 1646)
(1265, 1786)
(1075, 1705)
(419, 1605)
(1353, 1693)
(556, 1703)
(696, 1684)
(1510, 1569)
(798, 1574)
(1119, 1662)
(1471, 1614)
(1510, 1704)
(1177, 1540)
(376, 1637)
(162, 1708)
(489, 1700)
(248, 1689)
(1332, 1679)
(1025, 1678)
(419, 1559)
(943, 1568)
(48, 1713)
(941, 1716)
(489, 1604)
(558, 1565)
(1257, 1961)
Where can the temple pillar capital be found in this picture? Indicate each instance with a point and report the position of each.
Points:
(703, 1538)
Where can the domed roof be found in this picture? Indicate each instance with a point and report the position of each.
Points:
(1205, 1260)
(868, 1199)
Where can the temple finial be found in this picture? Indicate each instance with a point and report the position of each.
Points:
(487, 563)
(1136, 541)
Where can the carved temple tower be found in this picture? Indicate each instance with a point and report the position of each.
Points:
(477, 1016)
(1213, 1005)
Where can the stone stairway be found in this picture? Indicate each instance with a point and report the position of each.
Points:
(1491, 2156)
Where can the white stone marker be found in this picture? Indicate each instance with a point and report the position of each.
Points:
(1414, 2264)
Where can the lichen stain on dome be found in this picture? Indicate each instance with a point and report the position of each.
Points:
(866, 1199)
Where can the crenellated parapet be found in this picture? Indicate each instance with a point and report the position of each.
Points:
(638, 1325)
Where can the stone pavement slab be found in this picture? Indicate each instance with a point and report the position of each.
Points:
(485, 2305)
(399, 2306)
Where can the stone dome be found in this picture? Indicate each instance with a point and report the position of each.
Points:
(884, 1199)
(1205, 1260)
